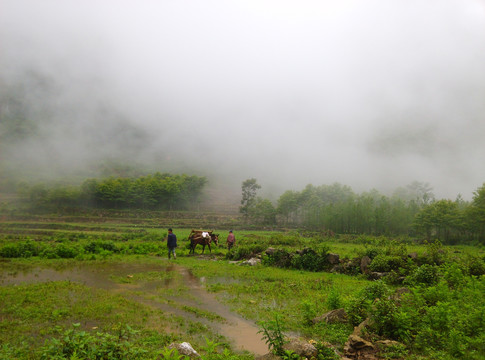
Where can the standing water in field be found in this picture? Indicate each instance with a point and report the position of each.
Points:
(243, 333)
(155, 281)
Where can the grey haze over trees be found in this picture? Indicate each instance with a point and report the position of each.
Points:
(329, 209)
(372, 94)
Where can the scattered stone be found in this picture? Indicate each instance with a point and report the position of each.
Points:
(376, 275)
(251, 262)
(333, 259)
(185, 349)
(358, 348)
(364, 264)
(357, 343)
(358, 330)
(334, 316)
(388, 343)
(270, 251)
(301, 347)
(337, 269)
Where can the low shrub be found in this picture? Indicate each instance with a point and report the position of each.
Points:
(375, 290)
(334, 299)
(475, 265)
(244, 252)
(424, 275)
(24, 249)
(386, 263)
(357, 309)
(95, 247)
(309, 260)
(65, 251)
(77, 344)
(279, 258)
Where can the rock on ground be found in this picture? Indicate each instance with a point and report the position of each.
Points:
(185, 349)
(334, 316)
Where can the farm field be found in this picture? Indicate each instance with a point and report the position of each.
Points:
(67, 283)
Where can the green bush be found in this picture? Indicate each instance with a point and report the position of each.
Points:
(280, 258)
(475, 265)
(325, 352)
(21, 249)
(383, 318)
(244, 252)
(95, 247)
(308, 311)
(77, 344)
(309, 261)
(376, 290)
(435, 254)
(65, 251)
(334, 299)
(424, 275)
(386, 263)
(453, 275)
(357, 309)
(10, 251)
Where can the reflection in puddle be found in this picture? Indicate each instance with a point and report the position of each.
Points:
(151, 280)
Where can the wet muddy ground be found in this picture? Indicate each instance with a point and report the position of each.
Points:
(167, 287)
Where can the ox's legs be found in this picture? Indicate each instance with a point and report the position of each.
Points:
(192, 247)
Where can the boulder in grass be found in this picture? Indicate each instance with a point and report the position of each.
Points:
(334, 316)
(270, 251)
(251, 262)
(364, 264)
(333, 259)
(185, 349)
(303, 348)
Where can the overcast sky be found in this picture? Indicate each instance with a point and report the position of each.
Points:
(371, 94)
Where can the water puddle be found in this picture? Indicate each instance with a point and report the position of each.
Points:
(147, 283)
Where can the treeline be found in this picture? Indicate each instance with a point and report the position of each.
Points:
(157, 191)
(411, 211)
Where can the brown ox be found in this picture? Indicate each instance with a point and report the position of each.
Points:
(203, 238)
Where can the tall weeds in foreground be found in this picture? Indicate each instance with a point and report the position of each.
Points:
(273, 334)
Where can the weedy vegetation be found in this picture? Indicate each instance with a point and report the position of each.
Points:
(427, 297)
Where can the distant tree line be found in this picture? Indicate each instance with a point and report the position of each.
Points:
(336, 208)
(156, 191)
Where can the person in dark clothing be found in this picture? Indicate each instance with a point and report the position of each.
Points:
(231, 240)
(171, 243)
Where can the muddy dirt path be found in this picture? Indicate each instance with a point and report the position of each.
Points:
(242, 333)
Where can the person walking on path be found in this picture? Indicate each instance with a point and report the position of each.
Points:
(171, 243)
(231, 240)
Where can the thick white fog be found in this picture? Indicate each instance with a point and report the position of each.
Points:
(371, 94)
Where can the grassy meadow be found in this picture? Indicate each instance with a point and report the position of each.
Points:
(75, 287)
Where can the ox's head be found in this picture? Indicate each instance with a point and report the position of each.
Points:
(215, 238)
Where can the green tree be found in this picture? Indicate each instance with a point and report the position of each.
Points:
(249, 189)
(288, 204)
(438, 219)
(263, 212)
(476, 213)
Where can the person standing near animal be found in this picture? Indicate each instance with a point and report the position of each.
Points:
(231, 240)
(171, 243)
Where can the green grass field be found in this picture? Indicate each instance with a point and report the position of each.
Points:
(66, 284)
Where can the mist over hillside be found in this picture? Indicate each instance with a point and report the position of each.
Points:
(372, 95)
